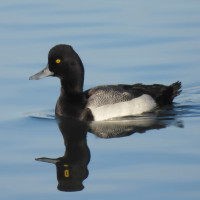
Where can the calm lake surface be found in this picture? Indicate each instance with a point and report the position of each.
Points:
(118, 42)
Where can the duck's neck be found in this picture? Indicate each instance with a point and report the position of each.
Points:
(71, 101)
(71, 89)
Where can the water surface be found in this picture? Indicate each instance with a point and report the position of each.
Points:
(155, 156)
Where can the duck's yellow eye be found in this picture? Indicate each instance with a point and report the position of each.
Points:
(58, 61)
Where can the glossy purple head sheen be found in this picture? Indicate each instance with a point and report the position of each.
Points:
(64, 63)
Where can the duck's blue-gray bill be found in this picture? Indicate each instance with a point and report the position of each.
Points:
(44, 73)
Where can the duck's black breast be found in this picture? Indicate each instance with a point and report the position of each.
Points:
(73, 106)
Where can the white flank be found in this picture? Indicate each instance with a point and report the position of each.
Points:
(144, 103)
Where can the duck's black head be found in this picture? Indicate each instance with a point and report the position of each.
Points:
(64, 63)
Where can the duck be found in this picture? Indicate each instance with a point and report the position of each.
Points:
(102, 102)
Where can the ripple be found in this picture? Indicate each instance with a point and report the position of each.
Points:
(43, 114)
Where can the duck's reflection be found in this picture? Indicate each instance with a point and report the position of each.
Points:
(72, 167)
(130, 125)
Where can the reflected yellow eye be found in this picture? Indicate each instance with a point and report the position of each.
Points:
(58, 61)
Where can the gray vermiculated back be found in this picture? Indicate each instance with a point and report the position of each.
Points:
(105, 95)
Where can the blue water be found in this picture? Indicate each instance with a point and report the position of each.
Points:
(118, 42)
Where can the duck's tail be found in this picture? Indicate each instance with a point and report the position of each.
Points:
(166, 94)
(176, 89)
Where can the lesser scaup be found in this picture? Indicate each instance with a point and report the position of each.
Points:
(101, 102)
